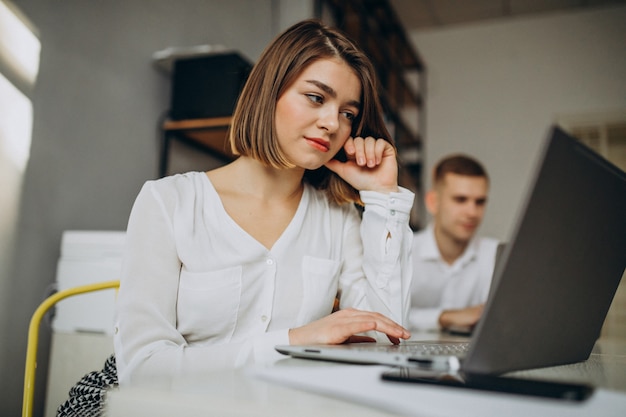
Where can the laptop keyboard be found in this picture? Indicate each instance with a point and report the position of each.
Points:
(422, 348)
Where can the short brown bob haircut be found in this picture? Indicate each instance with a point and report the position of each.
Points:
(253, 131)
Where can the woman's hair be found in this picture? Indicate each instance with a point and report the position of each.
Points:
(253, 131)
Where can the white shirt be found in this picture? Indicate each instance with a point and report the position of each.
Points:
(199, 293)
(438, 286)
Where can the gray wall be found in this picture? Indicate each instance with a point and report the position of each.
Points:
(494, 88)
(97, 103)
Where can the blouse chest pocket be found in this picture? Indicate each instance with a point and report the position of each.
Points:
(208, 303)
(320, 279)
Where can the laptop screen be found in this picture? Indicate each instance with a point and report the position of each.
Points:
(560, 270)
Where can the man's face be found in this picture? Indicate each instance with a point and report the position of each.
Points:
(458, 205)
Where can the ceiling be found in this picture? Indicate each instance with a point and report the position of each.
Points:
(433, 14)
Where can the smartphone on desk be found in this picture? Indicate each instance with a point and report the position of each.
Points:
(532, 387)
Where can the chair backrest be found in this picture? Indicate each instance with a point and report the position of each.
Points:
(33, 336)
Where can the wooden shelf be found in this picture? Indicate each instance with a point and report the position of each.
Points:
(210, 135)
(190, 124)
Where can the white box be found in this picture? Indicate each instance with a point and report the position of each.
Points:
(88, 257)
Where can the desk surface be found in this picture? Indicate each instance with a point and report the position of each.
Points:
(295, 387)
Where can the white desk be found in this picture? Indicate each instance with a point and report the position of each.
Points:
(304, 388)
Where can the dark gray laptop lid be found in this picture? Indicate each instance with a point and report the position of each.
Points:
(561, 267)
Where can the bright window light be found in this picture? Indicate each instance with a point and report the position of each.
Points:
(19, 66)
(16, 121)
(19, 47)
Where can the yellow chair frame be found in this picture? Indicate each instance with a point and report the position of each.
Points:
(33, 336)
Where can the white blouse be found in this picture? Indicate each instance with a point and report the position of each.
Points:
(199, 293)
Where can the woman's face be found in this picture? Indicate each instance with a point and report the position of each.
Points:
(315, 113)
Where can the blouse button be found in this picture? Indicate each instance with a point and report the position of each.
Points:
(392, 201)
(392, 212)
(270, 262)
(264, 318)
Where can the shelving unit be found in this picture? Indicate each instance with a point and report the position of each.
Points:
(208, 135)
(205, 81)
(375, 27)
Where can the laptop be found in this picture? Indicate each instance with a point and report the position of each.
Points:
(553, 285)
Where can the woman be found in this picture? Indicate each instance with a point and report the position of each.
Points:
(224, 265)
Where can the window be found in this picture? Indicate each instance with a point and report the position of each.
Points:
(603, 132)
(19, 66)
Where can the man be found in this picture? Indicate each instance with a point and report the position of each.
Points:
(452, 268)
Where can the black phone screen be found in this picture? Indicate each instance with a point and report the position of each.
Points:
(521, 386)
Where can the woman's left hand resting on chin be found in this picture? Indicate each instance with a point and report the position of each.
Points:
(343, 326)
(371, 165)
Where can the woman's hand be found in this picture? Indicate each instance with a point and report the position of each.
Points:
(344, 325)
(371, 165)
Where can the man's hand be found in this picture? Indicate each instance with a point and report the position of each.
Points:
(465, 317)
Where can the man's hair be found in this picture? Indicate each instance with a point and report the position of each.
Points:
(458, 164)
(253, 131)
